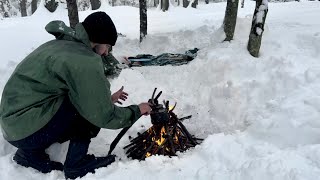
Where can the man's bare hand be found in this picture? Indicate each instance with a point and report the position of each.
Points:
(119, 95)
(145, 108)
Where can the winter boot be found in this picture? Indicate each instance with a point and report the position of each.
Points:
(78, 163)
(38, 160)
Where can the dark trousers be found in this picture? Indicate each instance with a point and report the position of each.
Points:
(66, 124)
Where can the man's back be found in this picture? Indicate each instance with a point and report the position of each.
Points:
(35, 91)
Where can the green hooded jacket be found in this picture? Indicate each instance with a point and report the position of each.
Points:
(59, 68)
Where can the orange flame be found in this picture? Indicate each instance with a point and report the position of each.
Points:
(148, 154)
(161, 140)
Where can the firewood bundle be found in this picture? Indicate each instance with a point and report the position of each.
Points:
(166, 136)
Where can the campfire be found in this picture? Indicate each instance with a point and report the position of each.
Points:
(166, 136)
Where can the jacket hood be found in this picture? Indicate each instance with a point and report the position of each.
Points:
(63, 32)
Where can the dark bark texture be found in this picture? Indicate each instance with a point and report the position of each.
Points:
(185, 3)
(95, 4)
(143, 19)
(194, 4)
(34, 5)
(73, 13)
(51, 5)
(23, 7)
(164, 5)
(230, 19)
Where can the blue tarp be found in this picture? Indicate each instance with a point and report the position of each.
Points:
(163, 59)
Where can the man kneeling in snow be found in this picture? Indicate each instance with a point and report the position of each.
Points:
(60, 92)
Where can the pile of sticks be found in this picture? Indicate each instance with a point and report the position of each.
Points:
(165, 138)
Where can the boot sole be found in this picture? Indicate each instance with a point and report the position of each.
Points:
(25, 163)
(73, 173)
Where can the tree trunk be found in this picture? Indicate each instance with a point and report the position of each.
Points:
(5, 8)
(185, 3)
(242, 3)
(51, 5)
(156, 2)
(230, 19)
(143, 19)
(164, 5)
(23, 7)
(95, 4)
(34, 5)
(257, 27)
(194, 4)
(207, 1)
(73, 13)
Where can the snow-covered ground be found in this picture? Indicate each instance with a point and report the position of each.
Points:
(260, 117)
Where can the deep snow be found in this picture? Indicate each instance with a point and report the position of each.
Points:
(260, 117)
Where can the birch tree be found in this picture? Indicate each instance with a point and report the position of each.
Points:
(257, 27)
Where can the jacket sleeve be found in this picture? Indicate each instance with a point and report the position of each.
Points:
(89, 92)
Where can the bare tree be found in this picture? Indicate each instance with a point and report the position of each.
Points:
(143, 19)
(95, 4)
(34, 4)
(23, 7)
(73, 13)
(194, 4)
(156, 2)
(164, 5)
(257, 27)
(230, 19)
(51, 5)
(5, 8)
(185, 3)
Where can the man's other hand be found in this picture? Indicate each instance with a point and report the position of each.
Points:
(119, 95)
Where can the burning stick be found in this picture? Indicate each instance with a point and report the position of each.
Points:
(149, 148)
(185, 131)
(170, 141)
